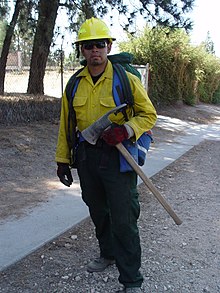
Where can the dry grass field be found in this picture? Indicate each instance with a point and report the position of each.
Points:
(17, 82)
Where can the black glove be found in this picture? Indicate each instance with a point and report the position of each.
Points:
(64, 173)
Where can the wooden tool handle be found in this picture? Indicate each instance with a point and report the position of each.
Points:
(149, 184)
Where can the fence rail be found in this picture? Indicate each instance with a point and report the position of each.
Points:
(16, 81)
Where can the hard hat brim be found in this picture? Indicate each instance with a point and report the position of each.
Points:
(94, 38)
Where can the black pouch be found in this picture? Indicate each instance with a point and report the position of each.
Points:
(73, 158)
(73, 150)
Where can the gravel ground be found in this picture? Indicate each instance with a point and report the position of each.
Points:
(180, 259)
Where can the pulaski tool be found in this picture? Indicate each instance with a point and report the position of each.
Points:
(91, 135)
(93, 132)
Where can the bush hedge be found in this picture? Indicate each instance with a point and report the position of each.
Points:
(179, 71)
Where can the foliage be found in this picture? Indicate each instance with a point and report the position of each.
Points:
(208, 44)
(216, 96)
(7, 42)
(3, 25)
(166, 13)
(71, 61)
(54, 58)
(209, 81)
(178, 71)
(170, 13)
(4, 9)
(24, 31)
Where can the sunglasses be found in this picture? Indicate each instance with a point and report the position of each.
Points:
(90, 44)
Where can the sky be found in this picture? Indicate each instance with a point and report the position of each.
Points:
(204, 16)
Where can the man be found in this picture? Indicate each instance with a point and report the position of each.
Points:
(110, 195)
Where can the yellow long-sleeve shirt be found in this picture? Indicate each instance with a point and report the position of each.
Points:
(92, 101)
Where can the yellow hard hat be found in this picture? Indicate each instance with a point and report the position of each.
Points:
(93, 29)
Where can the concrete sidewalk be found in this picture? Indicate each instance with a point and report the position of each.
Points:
(65, 209)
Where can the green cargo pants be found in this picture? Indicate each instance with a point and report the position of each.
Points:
(113, 204)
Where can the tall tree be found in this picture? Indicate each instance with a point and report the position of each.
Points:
(23, 42)
(209, 44)
(165, 12)
(41, 47)
(25, 30)
(45, 32)
(3, 26)
(7, 43)
(4, 8)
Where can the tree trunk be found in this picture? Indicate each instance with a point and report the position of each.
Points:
(7, 43)
(41, 47)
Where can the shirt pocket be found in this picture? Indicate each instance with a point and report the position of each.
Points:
(80, 105)
(107, 102)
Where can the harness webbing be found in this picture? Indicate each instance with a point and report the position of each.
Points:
(121, 91)
(70, 92)
(125, 84)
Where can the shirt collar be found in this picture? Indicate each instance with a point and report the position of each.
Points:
(106, 74)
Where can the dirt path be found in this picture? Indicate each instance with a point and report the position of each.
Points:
(27, 152)
(180, 259)
(26, 164)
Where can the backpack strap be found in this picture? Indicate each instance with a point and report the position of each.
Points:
(121, 88)
(121, 91)
(71, 88)
(125, 84)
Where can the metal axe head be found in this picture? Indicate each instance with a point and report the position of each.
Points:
(92, 133)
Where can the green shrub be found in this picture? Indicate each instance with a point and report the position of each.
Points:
(178, 70)
(216, 97)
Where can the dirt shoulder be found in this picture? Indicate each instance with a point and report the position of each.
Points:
(180, 259)
(27, 154)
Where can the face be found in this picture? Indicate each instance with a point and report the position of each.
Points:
(95, 51)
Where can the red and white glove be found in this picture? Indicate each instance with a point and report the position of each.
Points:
(115, 134)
